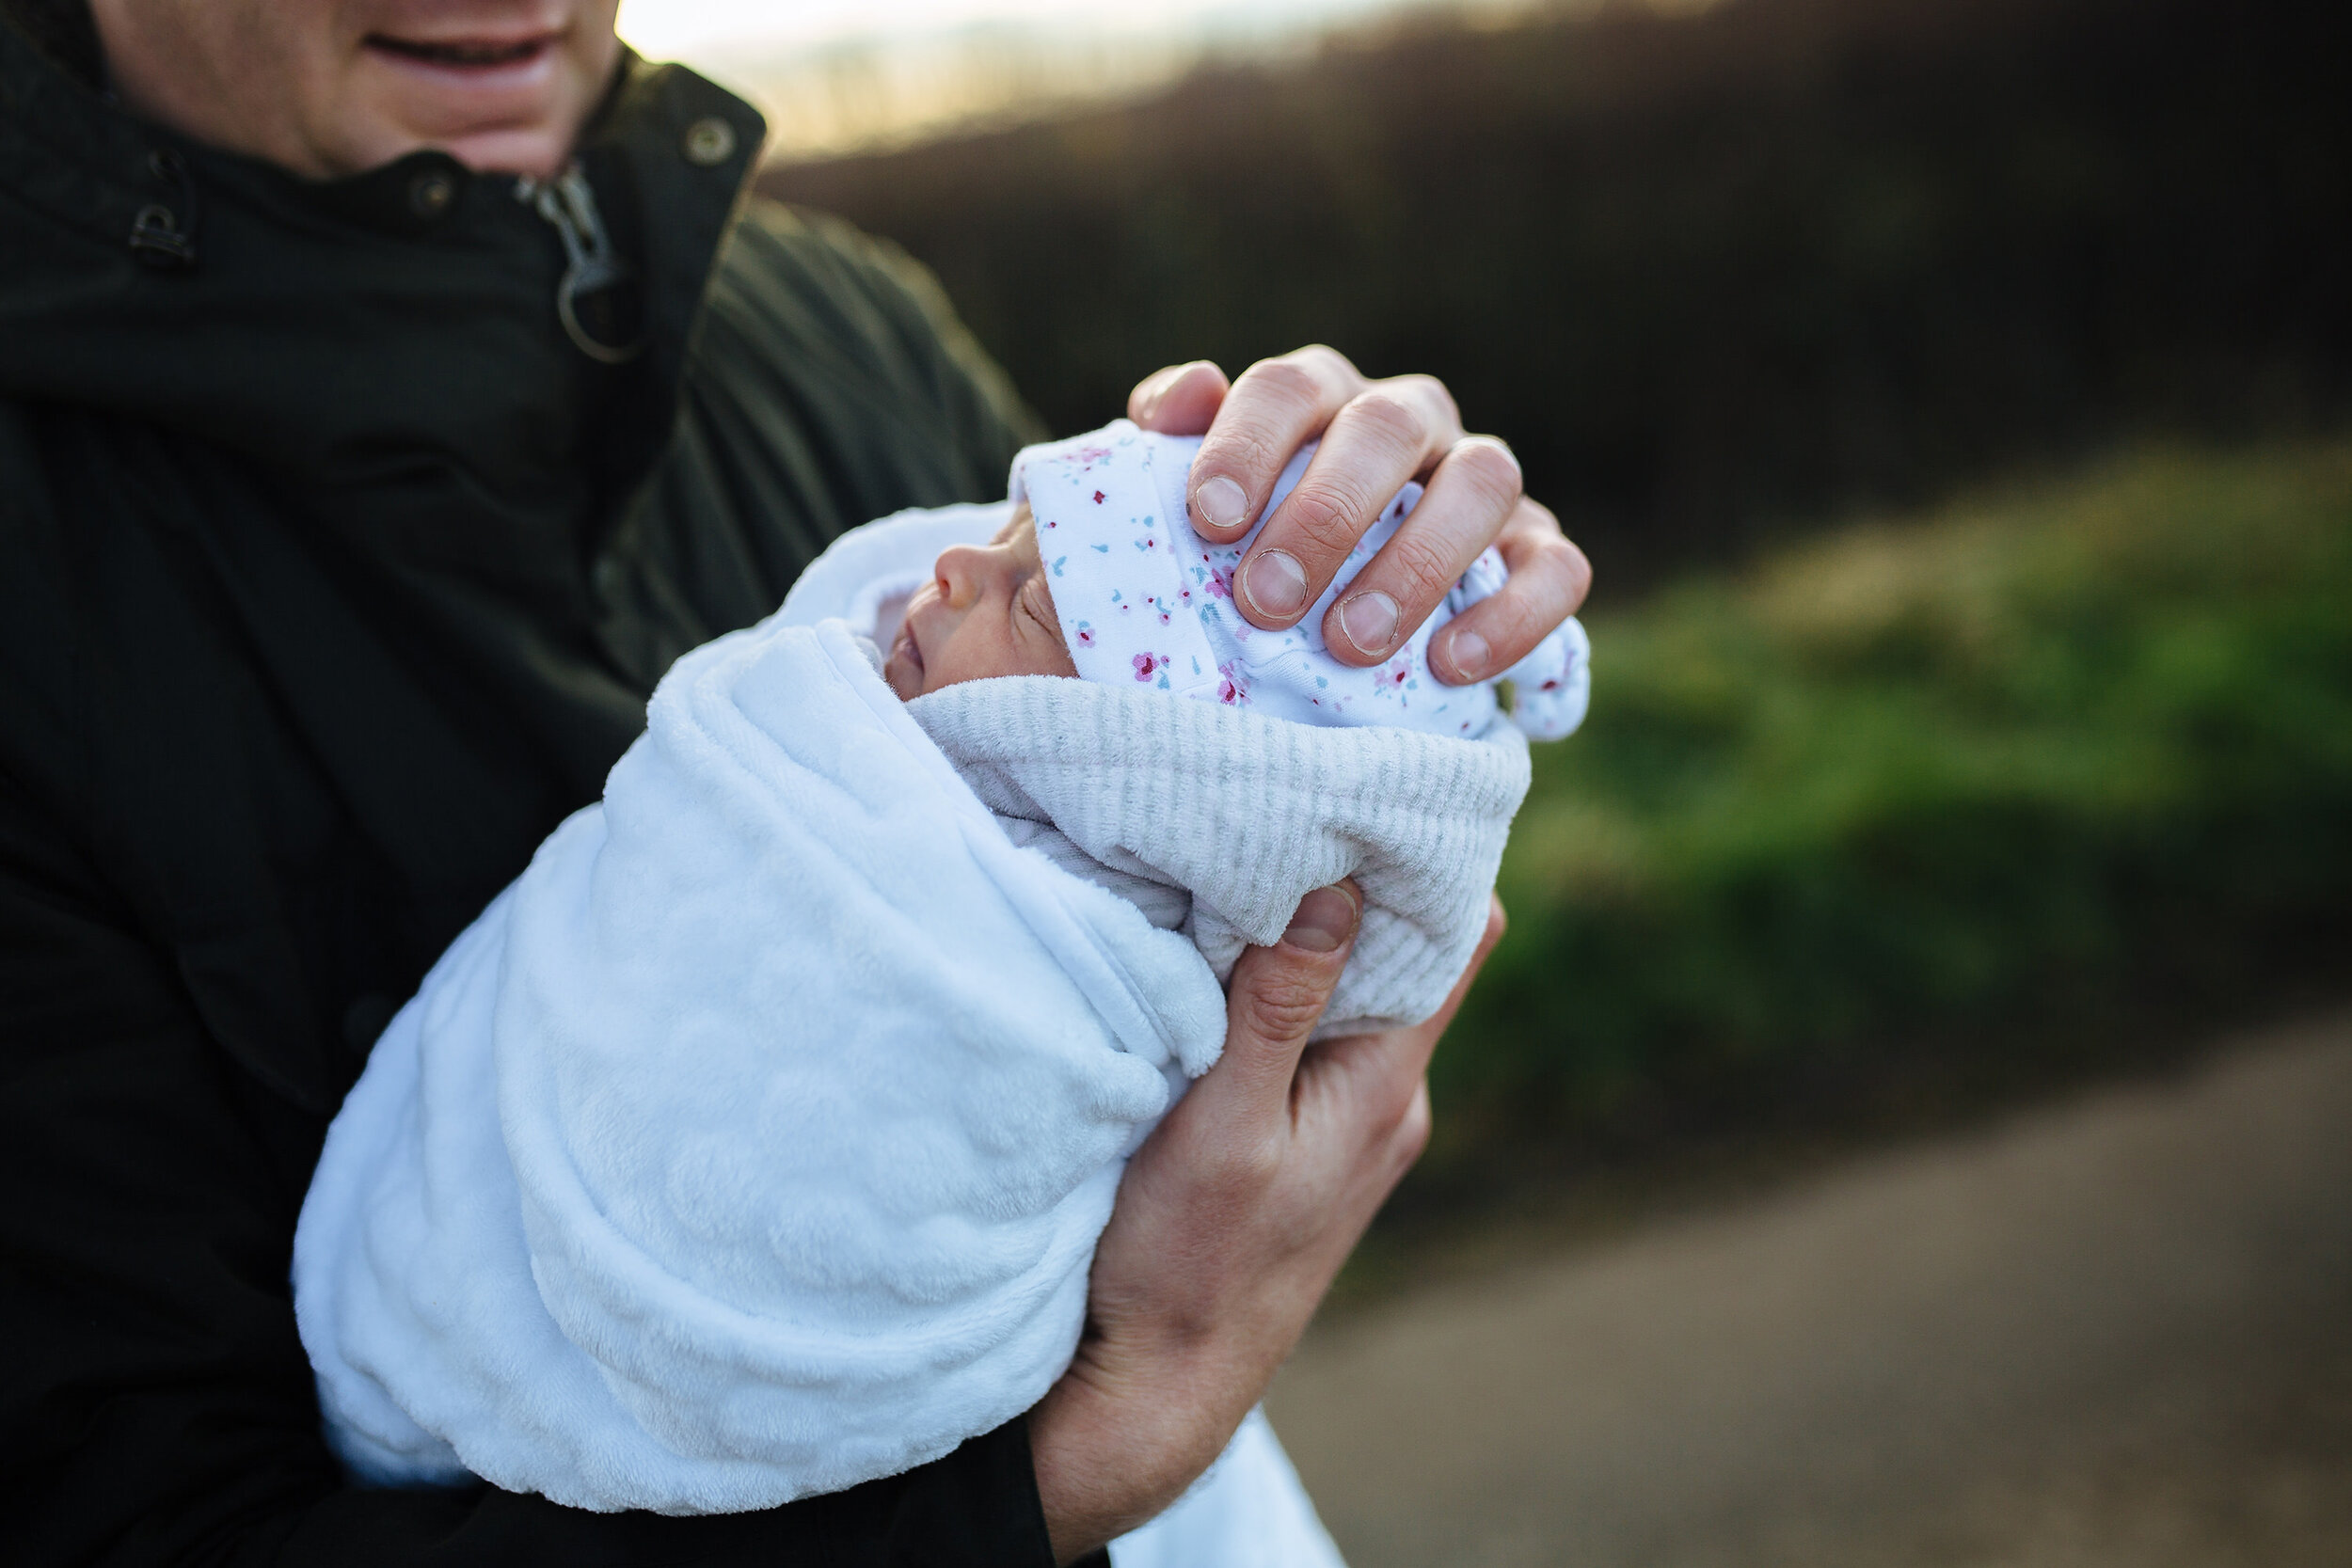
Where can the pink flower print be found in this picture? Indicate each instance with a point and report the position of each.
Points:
(1085, 634)
(1220, 583)
(1233, 689)
(1098, 498)
(1146, 666)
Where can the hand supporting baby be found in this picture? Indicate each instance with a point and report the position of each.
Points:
(1232, 1220)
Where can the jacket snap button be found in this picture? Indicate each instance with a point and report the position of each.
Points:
(157, 238)
(709, 142)
(430, 193)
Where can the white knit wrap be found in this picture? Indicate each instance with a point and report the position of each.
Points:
(1249, 813)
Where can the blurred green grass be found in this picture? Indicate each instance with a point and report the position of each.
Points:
(2074, 751)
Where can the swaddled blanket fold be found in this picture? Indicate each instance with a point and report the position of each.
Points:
(755, 1141)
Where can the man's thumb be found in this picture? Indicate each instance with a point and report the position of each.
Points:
(1277, 993)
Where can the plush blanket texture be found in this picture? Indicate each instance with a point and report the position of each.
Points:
(755, 1141)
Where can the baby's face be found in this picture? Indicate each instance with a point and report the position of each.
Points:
(986, 612)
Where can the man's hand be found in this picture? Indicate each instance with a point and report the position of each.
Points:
(1231, 1222)
(1377, 434)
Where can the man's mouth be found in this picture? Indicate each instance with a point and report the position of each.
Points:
(466, 54)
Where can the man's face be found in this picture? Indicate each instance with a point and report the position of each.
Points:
(329, 88)
(986, 612)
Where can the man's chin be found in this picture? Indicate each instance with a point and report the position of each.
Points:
(539, 149)
(515, 122)
(534, 152)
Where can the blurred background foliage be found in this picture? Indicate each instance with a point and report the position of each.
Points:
(2056, 747)
(1713, 276)
(2051, 754)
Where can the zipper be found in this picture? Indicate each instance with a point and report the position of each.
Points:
(570, 208)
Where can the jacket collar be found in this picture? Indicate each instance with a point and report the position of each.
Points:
(307, 322)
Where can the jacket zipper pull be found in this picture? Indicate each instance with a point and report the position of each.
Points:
(570, 208)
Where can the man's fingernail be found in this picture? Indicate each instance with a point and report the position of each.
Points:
(1325, 918)
(1369, 622)
(1468, 655)
(1220, 503)
(1274, 584)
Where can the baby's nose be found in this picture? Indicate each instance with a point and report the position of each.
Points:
(967, 572)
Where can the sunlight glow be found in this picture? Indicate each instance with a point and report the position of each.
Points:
(835, 75)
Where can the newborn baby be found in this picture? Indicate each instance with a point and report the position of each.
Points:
(1148, 601)
(755, 1143)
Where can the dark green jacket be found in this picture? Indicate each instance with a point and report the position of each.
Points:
(332, 576)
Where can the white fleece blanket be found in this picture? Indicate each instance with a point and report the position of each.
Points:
(755, 1143)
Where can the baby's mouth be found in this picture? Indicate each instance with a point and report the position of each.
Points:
(905, 653)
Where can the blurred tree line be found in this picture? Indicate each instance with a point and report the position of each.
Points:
(1711, 272)
(2053, 772)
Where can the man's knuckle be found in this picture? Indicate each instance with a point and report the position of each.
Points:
(1486, 464)
(1411, 1133)
(1546, 562)
(1284, 1009)
(1392, 1101)
(1325, 512)
(1238, 1170)
(1249, 446)
(1285, 381)
(1384, 415)
(1327, 364)
(1420, 564)
(1535, 520)
(1561, 560)
(1435, 397)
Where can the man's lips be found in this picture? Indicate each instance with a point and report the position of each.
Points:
(468, 54)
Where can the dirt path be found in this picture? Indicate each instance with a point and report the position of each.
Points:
(2118, 1333)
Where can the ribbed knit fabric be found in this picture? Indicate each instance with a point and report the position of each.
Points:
(1251, 813)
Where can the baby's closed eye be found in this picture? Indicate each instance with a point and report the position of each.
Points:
(1037, 602)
